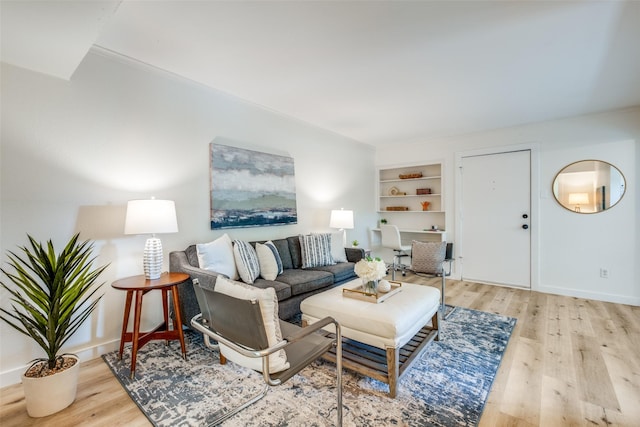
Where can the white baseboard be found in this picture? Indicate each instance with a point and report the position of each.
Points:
(14, 375)
(598, 296)
(578, 293)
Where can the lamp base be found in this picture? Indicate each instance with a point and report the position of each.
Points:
(152, 260)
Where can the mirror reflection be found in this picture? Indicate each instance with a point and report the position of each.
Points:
(589, 186)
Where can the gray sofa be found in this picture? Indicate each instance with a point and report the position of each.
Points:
(292, 286)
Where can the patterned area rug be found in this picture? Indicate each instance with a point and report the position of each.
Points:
(448, 386)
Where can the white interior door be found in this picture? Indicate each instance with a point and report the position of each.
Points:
(495, 218)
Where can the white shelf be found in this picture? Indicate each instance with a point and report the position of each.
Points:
(424, 178)
(412, 195)
(408, 235)
(409, 230)
(423, 212)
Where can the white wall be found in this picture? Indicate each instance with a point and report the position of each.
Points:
(73, 153)
(571, 248)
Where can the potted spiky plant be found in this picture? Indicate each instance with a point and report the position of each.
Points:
(52, 295)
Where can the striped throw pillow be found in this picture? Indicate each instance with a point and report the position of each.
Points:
(246, 261)
(316, 250)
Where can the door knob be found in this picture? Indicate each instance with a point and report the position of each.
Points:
(525, 226)
(525, 216)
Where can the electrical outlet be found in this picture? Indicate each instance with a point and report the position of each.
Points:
(604, 273)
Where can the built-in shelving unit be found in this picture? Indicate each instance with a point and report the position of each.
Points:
(402, 191)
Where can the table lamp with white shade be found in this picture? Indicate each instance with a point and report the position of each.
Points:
(342, 219)
(151, 217)
(578, 199)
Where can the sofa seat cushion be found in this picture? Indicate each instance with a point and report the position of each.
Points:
(302, 281)
(283, 291)
(341, 271)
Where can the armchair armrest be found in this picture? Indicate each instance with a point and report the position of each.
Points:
(303, 332)
(190, 294)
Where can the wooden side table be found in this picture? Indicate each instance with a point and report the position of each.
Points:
(139, 286)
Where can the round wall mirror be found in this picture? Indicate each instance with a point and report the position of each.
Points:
(589, 186)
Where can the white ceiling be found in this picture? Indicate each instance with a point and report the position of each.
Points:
(376, 71)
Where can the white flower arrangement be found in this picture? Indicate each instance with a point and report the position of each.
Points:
(369, 269)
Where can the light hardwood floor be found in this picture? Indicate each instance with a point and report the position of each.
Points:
(570, 362)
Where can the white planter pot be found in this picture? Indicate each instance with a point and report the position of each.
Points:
(48, 395)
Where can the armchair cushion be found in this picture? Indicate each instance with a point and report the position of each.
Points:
(269, 309)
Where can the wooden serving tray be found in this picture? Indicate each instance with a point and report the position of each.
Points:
(358, 293)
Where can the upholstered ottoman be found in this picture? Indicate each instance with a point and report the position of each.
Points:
(395, 331)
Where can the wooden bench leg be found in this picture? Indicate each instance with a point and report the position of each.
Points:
(393, 369)
(436, 326)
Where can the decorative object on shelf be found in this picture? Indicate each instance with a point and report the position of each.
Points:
(397, 208)
(421, 191)
(150, 217)
(370, 270)
(393, 191)
(52, 295)
(410, 175)
(343, 220)
(425, 205)
(383, 220)
(384, 286)
(434, 228)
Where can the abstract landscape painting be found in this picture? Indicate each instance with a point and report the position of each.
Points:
(250, 188)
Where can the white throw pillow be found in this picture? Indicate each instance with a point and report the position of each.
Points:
(246, 261)
(337, 247)
(269, 310)
(218, 256)
(269, 260)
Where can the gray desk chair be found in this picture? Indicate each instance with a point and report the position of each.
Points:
(431, 258)
(390, 237)
(238, 324)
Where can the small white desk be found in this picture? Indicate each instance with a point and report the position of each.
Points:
(408, 234)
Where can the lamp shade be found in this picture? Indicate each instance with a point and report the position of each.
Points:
(341, 219)
(578, 198)
(151, 217)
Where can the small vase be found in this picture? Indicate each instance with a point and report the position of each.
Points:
(370, 287)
